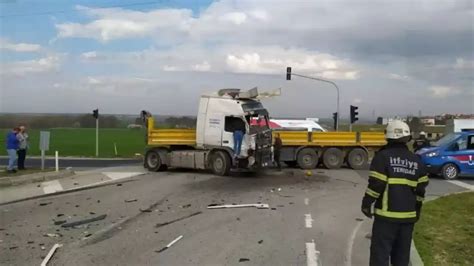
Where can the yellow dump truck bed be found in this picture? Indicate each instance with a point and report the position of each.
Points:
(322, 139)
(187, 137)
(169, 137)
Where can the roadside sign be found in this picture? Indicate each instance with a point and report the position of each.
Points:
(44, 145)
(44, 140)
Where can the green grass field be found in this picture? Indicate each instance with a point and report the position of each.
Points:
(445, 233)
(81, 142)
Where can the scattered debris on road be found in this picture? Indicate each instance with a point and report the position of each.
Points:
(45, 203)
(30, 242)
(260, 242)
(50, 254)
(145, 210)
(177, 220)
(368, 236)
(186, 206)
(130, 200)
(85, 221)
(60, 222)
(119, 185)
(52, 235)
(244, 259)
(59, 215)
(258, 206)
(170, 244)
(359, 219)
(14, 247)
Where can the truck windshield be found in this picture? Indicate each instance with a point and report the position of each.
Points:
(258, 123)
(446, 140)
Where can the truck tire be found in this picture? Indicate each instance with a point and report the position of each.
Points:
(153, 161)
(220, 163)
(357, 159)
(307, 158)
(333, 158)
(450, 171)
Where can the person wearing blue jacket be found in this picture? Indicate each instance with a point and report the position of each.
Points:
(13, 144)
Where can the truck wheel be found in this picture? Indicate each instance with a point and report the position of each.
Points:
(357, 159)
(450, 171)
(332, 158)
(307, 158)
(153, 161)
(220, 163)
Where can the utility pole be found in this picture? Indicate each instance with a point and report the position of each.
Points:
(95, 114)
(288, 77)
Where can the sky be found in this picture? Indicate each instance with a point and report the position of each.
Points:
(387, 57)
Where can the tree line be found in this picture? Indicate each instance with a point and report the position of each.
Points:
(86, 121)
(55, 121)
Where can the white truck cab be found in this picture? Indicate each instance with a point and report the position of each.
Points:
(219, 116)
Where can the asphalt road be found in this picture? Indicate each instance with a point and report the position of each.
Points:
(310, 218)
(77, 163)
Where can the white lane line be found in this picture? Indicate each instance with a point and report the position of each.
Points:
(51, 186)
(312, 255)
(306, 201)
(308, 221)
(350, 244)
(120, 175)
(461, 184)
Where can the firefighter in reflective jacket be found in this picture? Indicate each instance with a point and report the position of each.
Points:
(394, 196)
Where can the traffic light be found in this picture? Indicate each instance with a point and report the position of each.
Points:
(288, 73)
(334, 117)
(95, 113)
(354, 114)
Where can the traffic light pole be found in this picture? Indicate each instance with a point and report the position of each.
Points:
(97, 137)
(330, 82)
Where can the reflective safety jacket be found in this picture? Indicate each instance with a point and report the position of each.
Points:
(397, 184)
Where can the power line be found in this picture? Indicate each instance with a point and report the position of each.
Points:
(74, 10)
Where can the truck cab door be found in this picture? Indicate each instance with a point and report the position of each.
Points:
(233, 123)
(213, 130)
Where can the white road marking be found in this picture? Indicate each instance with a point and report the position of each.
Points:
(461, 184)
(306, 201)
(51, 186)
(312, 255)
(350, 244)
(121, 175)
(308, 220)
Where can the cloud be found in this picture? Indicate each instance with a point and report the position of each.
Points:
(116, 23)
(398, 77)
(443, 91)
(274, 60)
(36, 66)
(357, 100)
(19, 47)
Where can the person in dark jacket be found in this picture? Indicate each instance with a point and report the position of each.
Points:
(396, 190)
(421, 142)
(277, 150)
(13, 145)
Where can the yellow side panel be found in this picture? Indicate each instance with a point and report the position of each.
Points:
(302, 138)
(166, 137)
(372, 139)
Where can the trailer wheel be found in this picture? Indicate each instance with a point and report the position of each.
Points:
(333, 158)
(357, 159)
(153, 161)
(307, 158)
(220, 163)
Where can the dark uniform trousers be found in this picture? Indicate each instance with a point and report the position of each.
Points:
(391, 242)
